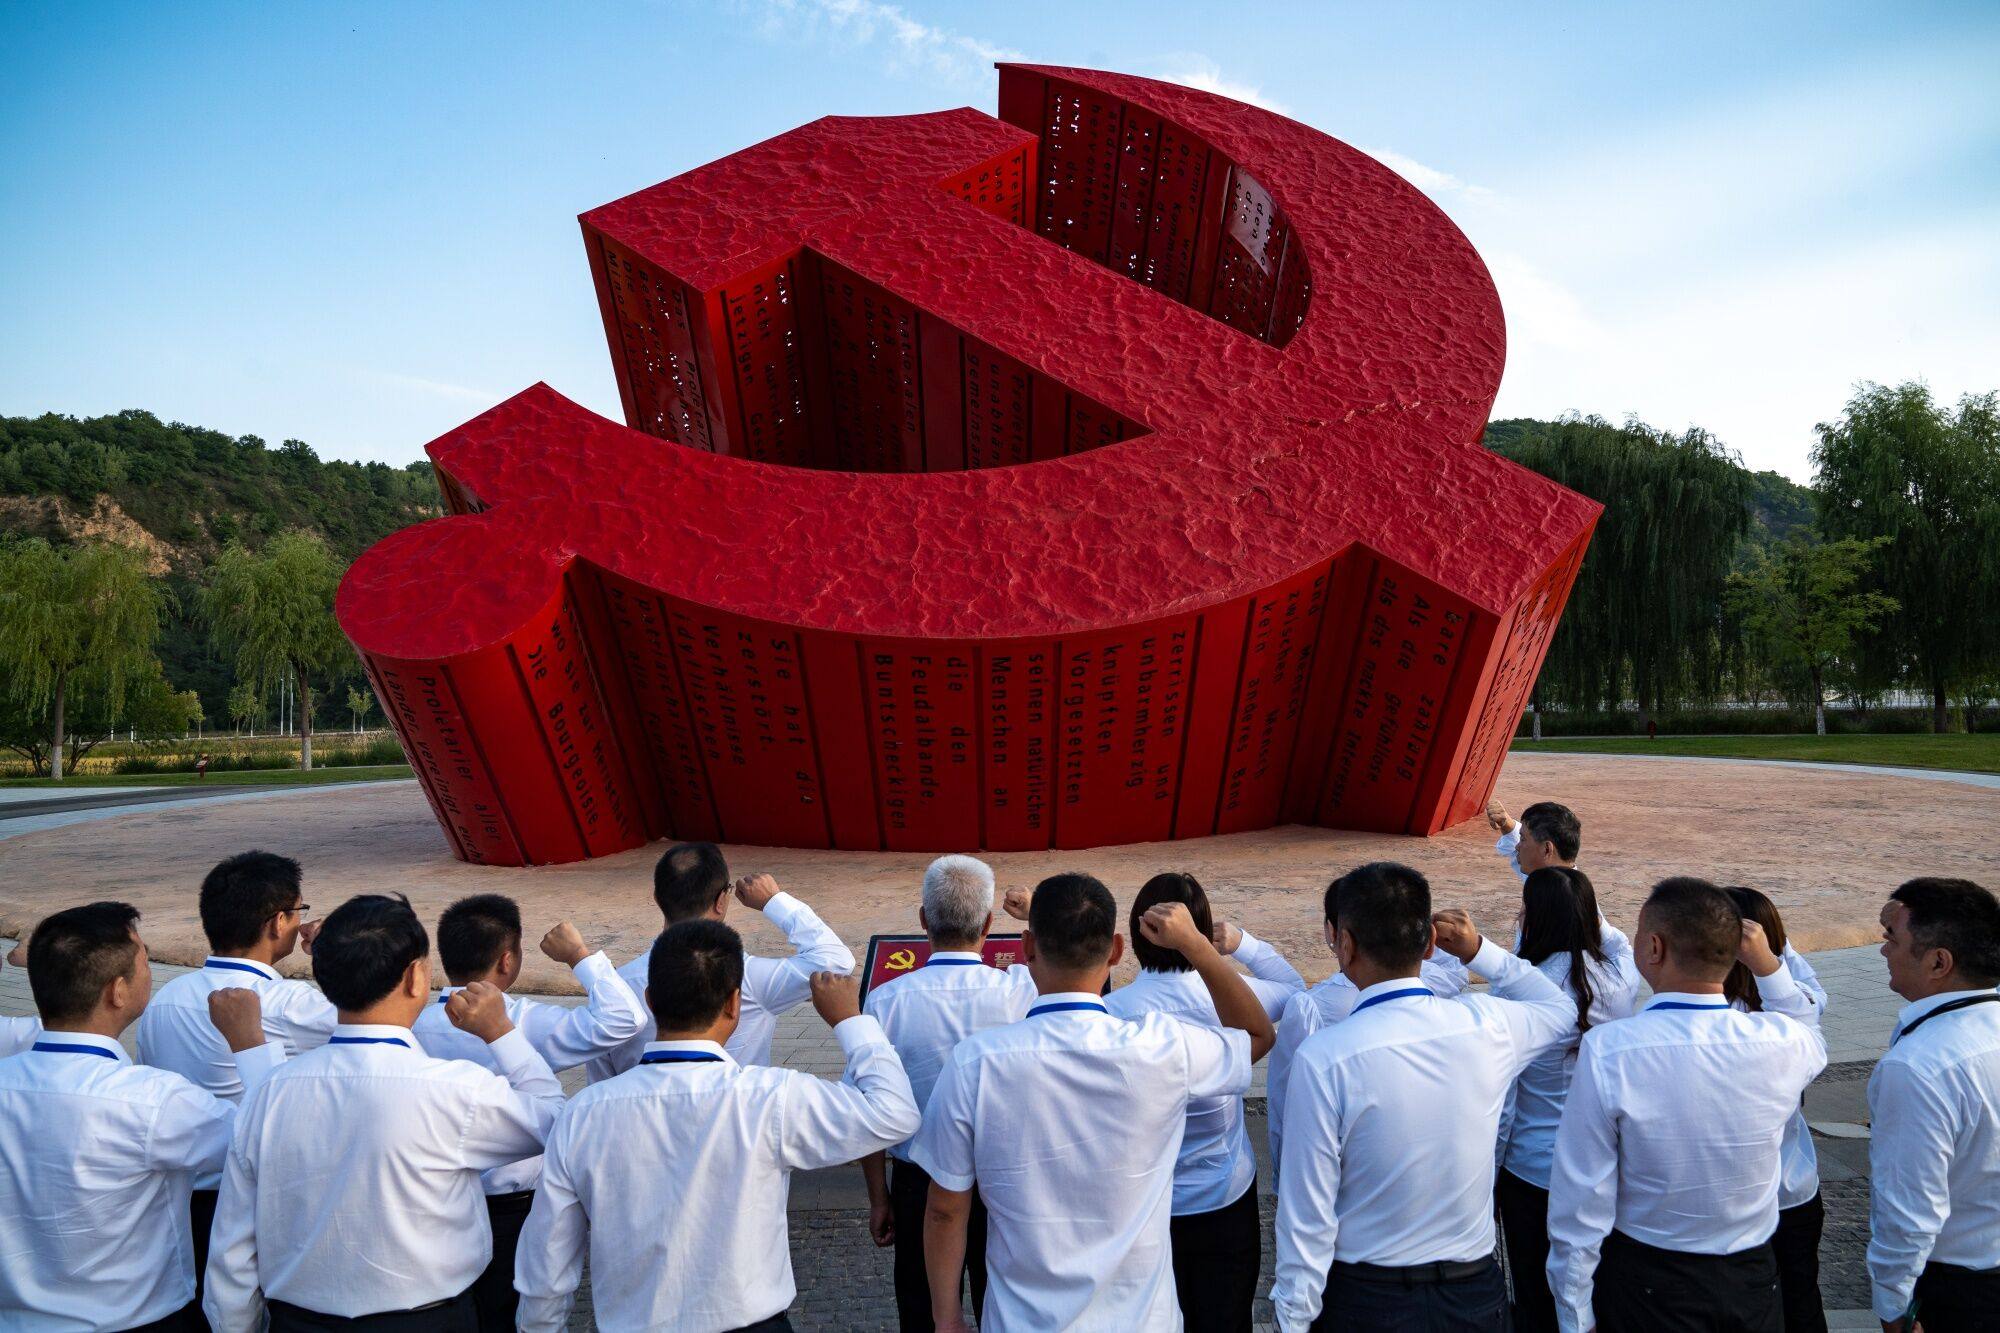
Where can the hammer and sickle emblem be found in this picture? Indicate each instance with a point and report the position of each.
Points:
(1106, 472)
(902, 960)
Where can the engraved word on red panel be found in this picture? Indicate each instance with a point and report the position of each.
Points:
(1103, 473)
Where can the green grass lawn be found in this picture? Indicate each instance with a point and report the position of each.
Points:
(1977, 753)
(255, 777)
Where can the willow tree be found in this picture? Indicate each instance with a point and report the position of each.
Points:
(1803, 603)
(1898, 465)
(274, 610)
(76, 616)
(1644, 618)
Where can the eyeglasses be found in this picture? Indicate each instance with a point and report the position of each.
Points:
(300, 910)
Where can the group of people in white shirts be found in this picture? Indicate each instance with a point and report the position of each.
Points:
(1550, 1152)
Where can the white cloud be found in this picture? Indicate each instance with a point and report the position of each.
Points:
(1439, 185)
(1198, 71)
(904, 45)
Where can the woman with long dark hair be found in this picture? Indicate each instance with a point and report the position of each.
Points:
(1562, 936)
(1217, 1242)
(1801, 1215)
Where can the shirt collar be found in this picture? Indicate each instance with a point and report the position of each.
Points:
(1059, 1001)
(1391, 986)
(694, 1046)
(372, 1034)
(954, 956)
(69, 1042)
(1686, 1000)
(227, 965)
(1916, 1009)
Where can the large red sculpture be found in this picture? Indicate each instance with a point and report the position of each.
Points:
(1102, 473)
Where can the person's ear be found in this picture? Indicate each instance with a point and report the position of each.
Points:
(987, 929)
(1331, 936)
(1939, 962)
(1430, 940)
(720, 908)
(1344, 951)
(1117, 949)
(117, 994)
(733, 1005)
(923, 920)
(1027, 946)
(417, 980)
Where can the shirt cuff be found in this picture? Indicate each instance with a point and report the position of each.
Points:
(255, 1063)
(513, 1054)
(857, 1032)
(594, 970)
(1780, 985)
(951, 1180)
(782, 905)
(1887, 1307)
(1247, 946)
(1489, 961)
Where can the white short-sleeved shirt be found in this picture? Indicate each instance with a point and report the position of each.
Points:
(926, 1013)
(1216, 1163)
(1070, 1123)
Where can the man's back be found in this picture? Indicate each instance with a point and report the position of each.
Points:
(354, 1175)
(175, 1033)
(1069, 1122)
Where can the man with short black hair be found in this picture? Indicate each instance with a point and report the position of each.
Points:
(1934, 1102)
(926, 1013)
(479, 940)
(691, 881)
(96, 1153)
(1546, 834)
(675, 1173)
(1069, 1122)
(253, 913)
(1385, 1193)
(1663, 1194)
(351, 1197)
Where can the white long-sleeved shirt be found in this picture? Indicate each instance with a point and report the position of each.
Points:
(676, 1175)
(1672, 1131)
(18, 1034)
(175, 1032)
(1391, 1116)
(1798, 1175)
(1216, 1162)
(352, 1185)
(1069, 1123)
(1934, 1164)
(564, 1035)
(771, 986)
(1321, 1006)
(97, 1156)
(1534, 1108)
(928, 1012)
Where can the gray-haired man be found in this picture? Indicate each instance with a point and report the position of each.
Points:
(926, 1013)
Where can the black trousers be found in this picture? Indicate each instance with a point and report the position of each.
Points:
(1644, 1289)
(1951, 1299)
(457, 1315)
(1524, 1217)
(1795, 1246)
(493, 1295)
(1357, 1302)
(201, 1221)
(909, 1196)
(780, 1322)
(1216, 1258)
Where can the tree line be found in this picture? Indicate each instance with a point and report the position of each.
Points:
(1891, 585)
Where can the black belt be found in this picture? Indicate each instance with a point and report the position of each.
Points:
(1416, 1275)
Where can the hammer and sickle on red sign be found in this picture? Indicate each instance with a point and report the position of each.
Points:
(902, 960)
(1103, 473)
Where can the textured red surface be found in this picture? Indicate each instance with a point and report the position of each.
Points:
(1103, 473)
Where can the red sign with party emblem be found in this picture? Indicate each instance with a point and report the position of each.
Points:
(890, 956)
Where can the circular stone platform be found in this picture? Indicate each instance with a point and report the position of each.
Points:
(1827, 845)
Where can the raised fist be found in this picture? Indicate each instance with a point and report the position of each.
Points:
(1228, 936)
(238, 1015)
(1016, 903)
(564, 943)
(308, 932)
(754, 891)
(1497, 816)
(481, 1009)
(1456, 935)
(837, 997)
(1171, 926)
(1755, 950)
(18, 955)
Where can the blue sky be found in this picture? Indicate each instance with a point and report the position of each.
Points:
(355, 223)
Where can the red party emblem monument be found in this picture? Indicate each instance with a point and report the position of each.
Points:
(1102, 473)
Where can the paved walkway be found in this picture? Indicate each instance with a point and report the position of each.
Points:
(844, 1281)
